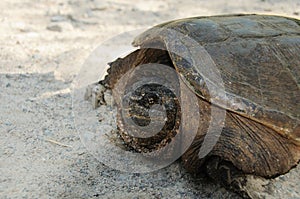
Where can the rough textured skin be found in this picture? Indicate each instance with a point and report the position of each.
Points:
(258, 58)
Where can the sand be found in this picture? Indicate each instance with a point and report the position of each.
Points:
(43, 45)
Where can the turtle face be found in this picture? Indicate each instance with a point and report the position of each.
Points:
(152, 101)
(152, 126)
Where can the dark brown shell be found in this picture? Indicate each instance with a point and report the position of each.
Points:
(258, 58)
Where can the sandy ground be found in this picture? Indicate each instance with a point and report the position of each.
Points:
(43, 45)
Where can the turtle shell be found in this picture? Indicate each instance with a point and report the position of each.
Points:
(257, 58)
(255, 79)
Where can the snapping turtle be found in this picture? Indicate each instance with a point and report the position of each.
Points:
(258, 58)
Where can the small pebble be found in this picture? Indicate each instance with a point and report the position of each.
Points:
(58, 18)
(108, 98)
(55, 28)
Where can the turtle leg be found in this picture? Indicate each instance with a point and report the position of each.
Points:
(225, 173)
(244, 148)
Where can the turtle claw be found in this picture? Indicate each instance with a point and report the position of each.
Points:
(227, 175)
